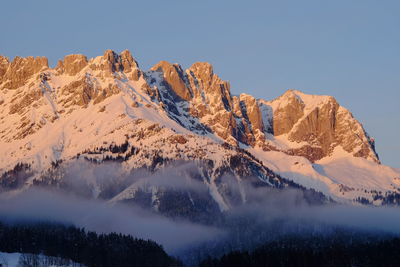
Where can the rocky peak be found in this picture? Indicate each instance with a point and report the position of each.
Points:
(208, 99)
(174, 77)
(21, 69)
(112, 62)
(128, 62)
(251, 112)
(240, 117)
(202, 70)
(4, 64)
(86, 88)
(72, 64)
(203, 74)
(321, 124)
(209, 86)
(287, 110)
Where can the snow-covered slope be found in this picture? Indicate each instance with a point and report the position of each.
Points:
(24, 259)
(341, 176)
(107, 109)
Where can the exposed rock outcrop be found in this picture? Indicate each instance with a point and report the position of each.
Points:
(84, 90)
(21, 103)
(320, 124)
(317, 127)
(21, 69)
(72, 64)
(174, 77)
(78, 92)
(4, 64)
(209, 87)
(112, 62)
(288, 111)
(251, 111)
(127, 61)
(212, 101)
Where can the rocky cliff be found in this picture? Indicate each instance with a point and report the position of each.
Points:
(317, 124)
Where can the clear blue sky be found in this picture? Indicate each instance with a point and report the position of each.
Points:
(346, 48)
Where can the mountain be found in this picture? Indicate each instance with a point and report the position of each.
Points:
(109, 116)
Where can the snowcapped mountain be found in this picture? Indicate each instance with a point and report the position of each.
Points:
(107, 109)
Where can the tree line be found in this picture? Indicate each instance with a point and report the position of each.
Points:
(81, 246)
(312, 251)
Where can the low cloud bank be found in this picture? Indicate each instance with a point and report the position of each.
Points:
(252, 208)
(43, 205)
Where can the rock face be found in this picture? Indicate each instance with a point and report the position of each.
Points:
(287, 113)
(128, 62)
(112, 62)
(174, 78)
(4, 64)
(320, 124)
(209, 88)
(20, 70)
(212, 101)
(252, 113)
(72, 64)
(84, 89)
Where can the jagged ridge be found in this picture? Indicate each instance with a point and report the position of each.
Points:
(48, 115)
(197, 99)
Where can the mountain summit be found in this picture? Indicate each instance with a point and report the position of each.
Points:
(107, 108)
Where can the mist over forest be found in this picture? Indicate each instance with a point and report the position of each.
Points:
(265, 216)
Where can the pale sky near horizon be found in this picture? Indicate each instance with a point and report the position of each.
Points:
(349, 49)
